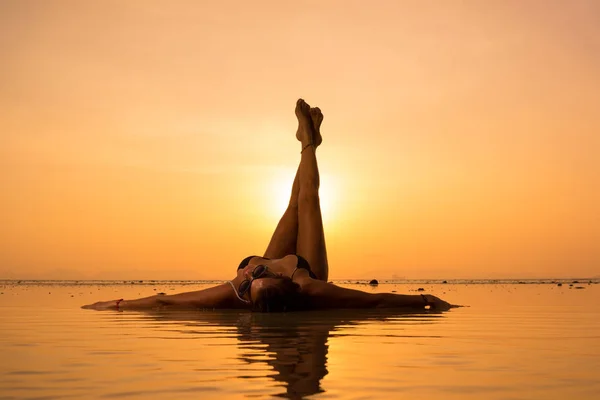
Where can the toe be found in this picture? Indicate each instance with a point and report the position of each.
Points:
(298, 109)
(319, 116)
(315, 115)
(305, 108)
(302, 109)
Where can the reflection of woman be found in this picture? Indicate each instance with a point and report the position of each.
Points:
(296, 348)
(292, 274)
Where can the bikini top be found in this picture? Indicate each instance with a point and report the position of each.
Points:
(302, 263)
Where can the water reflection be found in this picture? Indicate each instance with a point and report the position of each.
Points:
(295, 345)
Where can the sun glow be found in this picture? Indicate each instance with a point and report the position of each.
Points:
(280, 189)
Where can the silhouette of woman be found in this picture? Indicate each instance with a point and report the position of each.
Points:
(292, 274)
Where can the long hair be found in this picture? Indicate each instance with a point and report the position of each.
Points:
(285, 296)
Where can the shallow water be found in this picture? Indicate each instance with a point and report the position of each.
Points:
(515, 341)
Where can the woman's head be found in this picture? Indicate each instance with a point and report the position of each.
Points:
(277, 294)
(269, 291)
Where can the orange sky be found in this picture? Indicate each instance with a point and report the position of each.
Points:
(155, 140)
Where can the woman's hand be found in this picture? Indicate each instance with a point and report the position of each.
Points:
(104, 305)
(437, 304)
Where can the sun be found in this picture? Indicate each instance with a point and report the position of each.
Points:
(281, 187)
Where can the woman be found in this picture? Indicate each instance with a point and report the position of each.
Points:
(292, 274)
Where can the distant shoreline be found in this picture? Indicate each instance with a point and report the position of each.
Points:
(186, 282)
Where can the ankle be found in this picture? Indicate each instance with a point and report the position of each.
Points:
(306, 146)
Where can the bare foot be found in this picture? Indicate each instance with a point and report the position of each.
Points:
(317, 118)
(305, 124)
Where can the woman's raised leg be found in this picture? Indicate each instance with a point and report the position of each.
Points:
(311, 236)
(284, 239)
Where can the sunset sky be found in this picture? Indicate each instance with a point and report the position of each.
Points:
(155, 139)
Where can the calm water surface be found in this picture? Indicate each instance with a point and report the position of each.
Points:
(515, 341)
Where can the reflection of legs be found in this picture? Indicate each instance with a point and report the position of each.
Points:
(311, 236)
(297, 350)
(284, 239)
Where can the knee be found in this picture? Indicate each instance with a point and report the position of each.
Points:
(309, 197)
(310, 184)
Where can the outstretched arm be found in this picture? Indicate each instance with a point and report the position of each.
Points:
(326, 295)
(220, 296)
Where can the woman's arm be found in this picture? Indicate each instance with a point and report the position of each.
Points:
(220, 296)
(326, 295)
